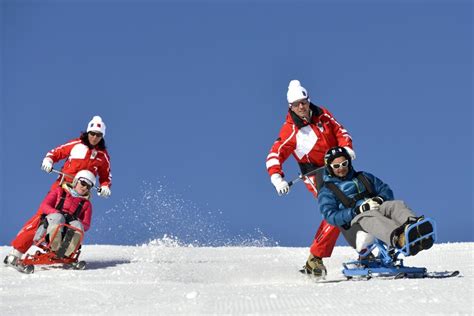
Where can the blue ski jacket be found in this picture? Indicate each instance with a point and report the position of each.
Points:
(332, 209)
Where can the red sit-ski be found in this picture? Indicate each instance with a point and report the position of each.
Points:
(46, 256)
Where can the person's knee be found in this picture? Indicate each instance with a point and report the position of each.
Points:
(400, 203)
(55, 219)
(397, 204)
(78, 225)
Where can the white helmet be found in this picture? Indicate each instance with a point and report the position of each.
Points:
(85, 175)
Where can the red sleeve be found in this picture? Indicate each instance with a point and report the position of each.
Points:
(86, 215)
(49, 203)
(342, 135)
(62, 151)
(282, 148)
(104, 172)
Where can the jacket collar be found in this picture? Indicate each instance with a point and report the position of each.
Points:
(315, 112)
(68, 187)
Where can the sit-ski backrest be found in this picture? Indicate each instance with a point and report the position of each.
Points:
(319, 177)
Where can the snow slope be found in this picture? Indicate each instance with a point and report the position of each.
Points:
(165, 278)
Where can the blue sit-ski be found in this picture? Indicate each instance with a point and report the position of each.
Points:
(387, 264)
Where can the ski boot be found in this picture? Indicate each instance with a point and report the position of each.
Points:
(315, 266)
(14, 260)
(416, 232)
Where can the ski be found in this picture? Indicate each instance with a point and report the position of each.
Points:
(442, 275)
(78, 265)
(428, 275)
(17, 265)
(27, 269)
(303, 271)
(324, 279)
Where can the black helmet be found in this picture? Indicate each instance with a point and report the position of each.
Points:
(332, 154)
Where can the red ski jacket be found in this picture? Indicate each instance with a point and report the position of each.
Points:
(48, 206)
(80, 157)
(308, 142)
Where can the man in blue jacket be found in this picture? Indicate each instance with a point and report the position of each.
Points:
(360, 201)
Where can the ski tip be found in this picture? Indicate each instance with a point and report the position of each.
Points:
(443, 275)
(455, 273)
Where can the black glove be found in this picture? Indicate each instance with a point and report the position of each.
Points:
(361, 208)
(378, 199)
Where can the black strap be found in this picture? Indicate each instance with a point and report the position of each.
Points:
(79, 209)
(369, 191)
(351, 202)
(340, 195)
(60, 204)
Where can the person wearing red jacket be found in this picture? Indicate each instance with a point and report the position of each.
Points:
(88, 152)
(308, 132)
(67, 204)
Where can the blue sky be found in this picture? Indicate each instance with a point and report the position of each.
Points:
(194, 94)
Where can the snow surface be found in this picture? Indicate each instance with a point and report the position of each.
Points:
(164, 277)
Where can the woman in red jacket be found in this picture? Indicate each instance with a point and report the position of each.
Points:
(307, 134)
(67, 204)
(88, 152)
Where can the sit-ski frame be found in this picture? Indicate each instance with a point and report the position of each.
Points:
(45, 256)
(387, 263)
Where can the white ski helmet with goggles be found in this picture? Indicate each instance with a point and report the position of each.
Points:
(86, 176)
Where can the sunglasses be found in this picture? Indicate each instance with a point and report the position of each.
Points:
(85, 184)
(344, 164)
(297, 103)
(96, 134)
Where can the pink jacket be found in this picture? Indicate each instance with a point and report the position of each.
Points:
(48, 206)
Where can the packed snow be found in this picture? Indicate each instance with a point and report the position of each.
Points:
(165, 277)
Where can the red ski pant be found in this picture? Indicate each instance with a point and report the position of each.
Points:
(324, 240)
(326, 236)
(24, 239)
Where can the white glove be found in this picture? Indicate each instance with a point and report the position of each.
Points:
(368, 205)
(104, 191)
(47, 165)
(350, 152)
(280, 184)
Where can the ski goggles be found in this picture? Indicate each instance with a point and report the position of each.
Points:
(96, 134)
(344, 164)
(298, 102)
(85, 183)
